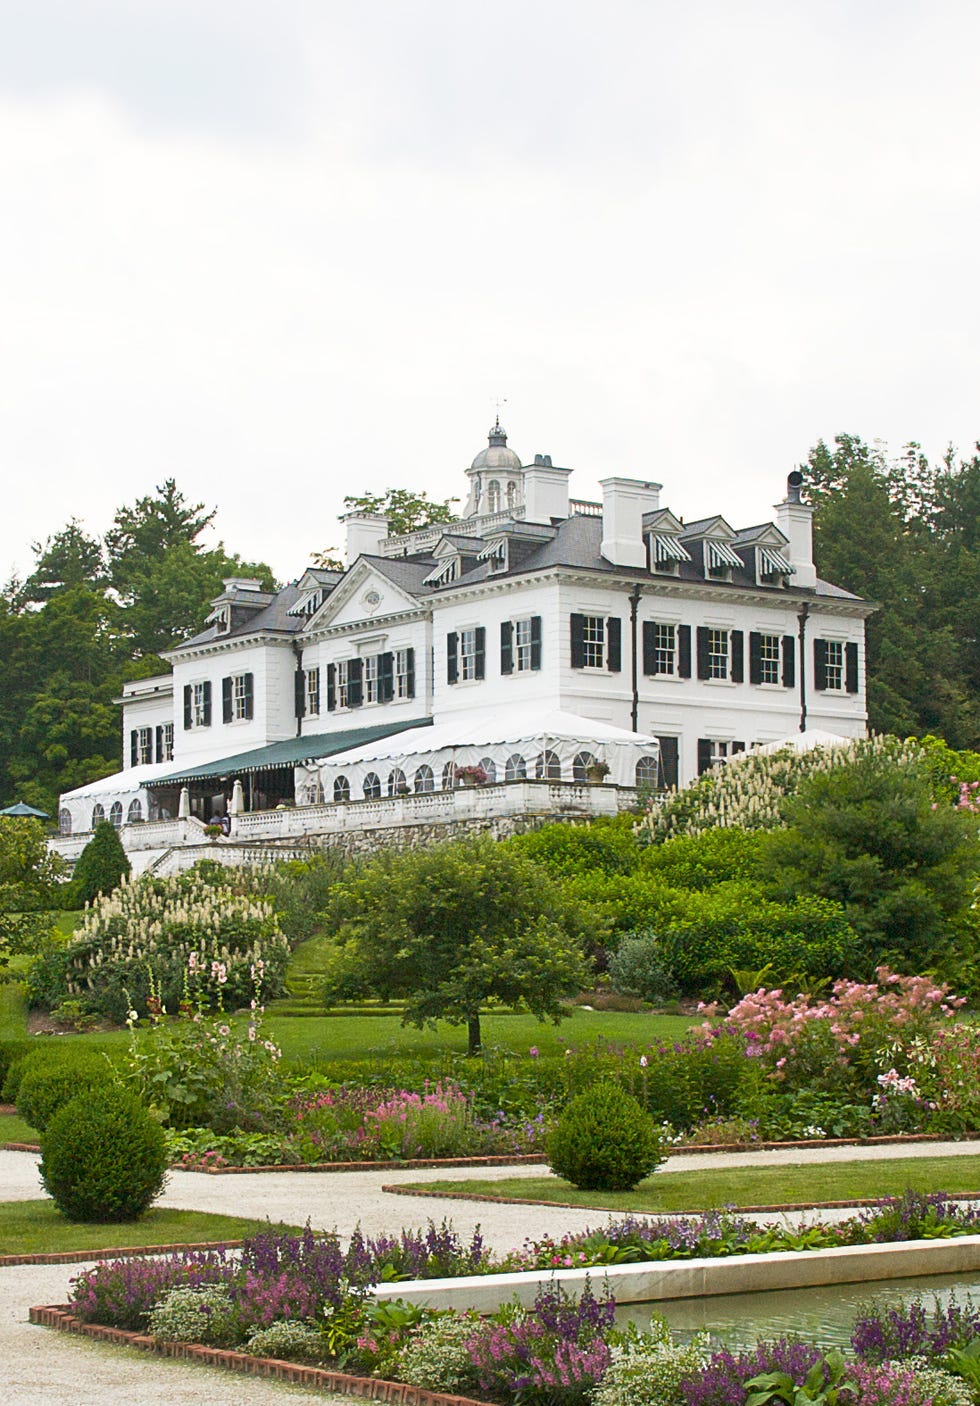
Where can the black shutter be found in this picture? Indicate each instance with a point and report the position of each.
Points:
(331, 687)
(789, 661)
(452, 659)
(738, 656)
(188, 706)
(702, 651)
(614, 644)
(480, 661)
(355, 688)
(410, 672)
(851, 667)
(704, 755)
(755, 657)
(249, 695)
(506, 647)
(159, 752)
(684, 651)
(535, 641)
(819, 664)
(737, 747)
(299, 693)
(649, 647)
(578, 641)
(669, 770)
(207, 703)
(134, 747)
(386, 677)
(226, 700)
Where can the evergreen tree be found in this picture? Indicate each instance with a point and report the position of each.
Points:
(101, 866)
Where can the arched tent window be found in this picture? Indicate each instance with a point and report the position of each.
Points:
(490, 767)
(424, 780)
(98, 814)
(648, 772)
(493, 496)
(580, 766)
(449, 776)
(341, 789)
(135, 813)
(516, 768)
(511, 493)
(372, 786)
(397, 784)
(115, 815)
(64, 821)
(548, 767)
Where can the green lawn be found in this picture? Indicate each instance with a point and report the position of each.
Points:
(14, 1129)
(799, 1184)
(38, 1228)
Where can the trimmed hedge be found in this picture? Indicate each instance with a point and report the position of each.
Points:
(103, 1157)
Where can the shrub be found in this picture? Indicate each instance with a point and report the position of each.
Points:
(103, 1157)
(606, 847)
(204, 1315)
(700, 861)
(436, 1356)
(13, 1053)
(604, 1141)
(641, 967)
(48, 1085)
(100, 867)
(647, 1370)
(288, 1342)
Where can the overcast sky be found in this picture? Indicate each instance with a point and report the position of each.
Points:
(287, 251)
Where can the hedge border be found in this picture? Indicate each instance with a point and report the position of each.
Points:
(59, 1317)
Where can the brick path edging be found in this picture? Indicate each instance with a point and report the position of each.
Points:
(397, 1393)
(128, 1252)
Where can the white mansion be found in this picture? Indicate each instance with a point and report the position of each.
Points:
(524, 643)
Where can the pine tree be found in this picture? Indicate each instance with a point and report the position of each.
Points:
(101, 866)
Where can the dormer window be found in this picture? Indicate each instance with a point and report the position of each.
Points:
(445, 573)
(719, 561)
(495, 555)
(772, 568)
(220, 618)
(665, 553)
(308, 604)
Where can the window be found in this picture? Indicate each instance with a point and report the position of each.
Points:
(397, 784)
(661, 643)
(493, 496)
(669, 762)
(548, 767)
(372, 677)
(423, 780)
(596, 642)
(717, 654)
(449, 776)
(314, 794)
(466, 655)
(343, 684)
(520, 645)
(580, 766)
(490, 767)
(404, 682)
(98, 815)
(720, 653)
(372, 787)
(115, 815)
(516, 768)
(511, 494)
(648, 772)
(197, 705)
(769, 659)
(832, 667)
(165, 742)
(712, 752)
(135, 813)
(64, 821)
(236, 698)
(312, 680)
(341, 789)
(141, 746)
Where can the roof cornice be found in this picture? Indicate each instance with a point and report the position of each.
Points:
(226, 645)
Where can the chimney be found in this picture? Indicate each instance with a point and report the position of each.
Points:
(624, 501)
(794, 518)
(365, 533)
(545, 490)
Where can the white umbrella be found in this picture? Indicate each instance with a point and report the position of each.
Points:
(237, 803)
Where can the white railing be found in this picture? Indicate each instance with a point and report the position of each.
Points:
(148, 834)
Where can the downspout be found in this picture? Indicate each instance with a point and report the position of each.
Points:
(298, 655)
(634, 600)
(804, 615)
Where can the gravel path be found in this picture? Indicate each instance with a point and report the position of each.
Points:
(40, 1366)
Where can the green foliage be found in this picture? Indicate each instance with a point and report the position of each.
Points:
(640, 967)
(604, 1141)
(288, 1341)
(451, 927)
(680, 1083)
(869, 837)
(708, 857)
(48, 1085)
(406, 511)
(30, 875)
(100, 867)
(103, 1157)
(197, 1315)
(300, 890)
(11, 1053)
(605, 847)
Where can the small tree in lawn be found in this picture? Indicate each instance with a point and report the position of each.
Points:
(101, 866)
(449, 928)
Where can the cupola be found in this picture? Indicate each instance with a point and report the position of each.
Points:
(496, 477)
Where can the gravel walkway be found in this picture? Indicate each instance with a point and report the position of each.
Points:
(40, 1366)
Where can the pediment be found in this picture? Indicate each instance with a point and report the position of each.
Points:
(664, 522)
(767, 534)
(714, 529)
(363, 595)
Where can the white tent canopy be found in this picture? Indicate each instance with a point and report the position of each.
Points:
(510, 743)
(802, 742)
(120, 783)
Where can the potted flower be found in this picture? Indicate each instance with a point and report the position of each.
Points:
(597, 771)
(471, 776)
(213, 831)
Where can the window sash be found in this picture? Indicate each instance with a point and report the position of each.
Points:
(467, 654)
(313, 691)
(718, 645)
(200, 705)
(343, 683)
(168, 742)
(239, 696)
(835, 666)
(665, 648)
(371, 678)
(593, 641)
(769, 658)
(522, 645)
(401, 673)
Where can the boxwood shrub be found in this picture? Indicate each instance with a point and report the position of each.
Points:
(103, 1157)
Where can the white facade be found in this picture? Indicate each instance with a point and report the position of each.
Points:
(707, 638)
